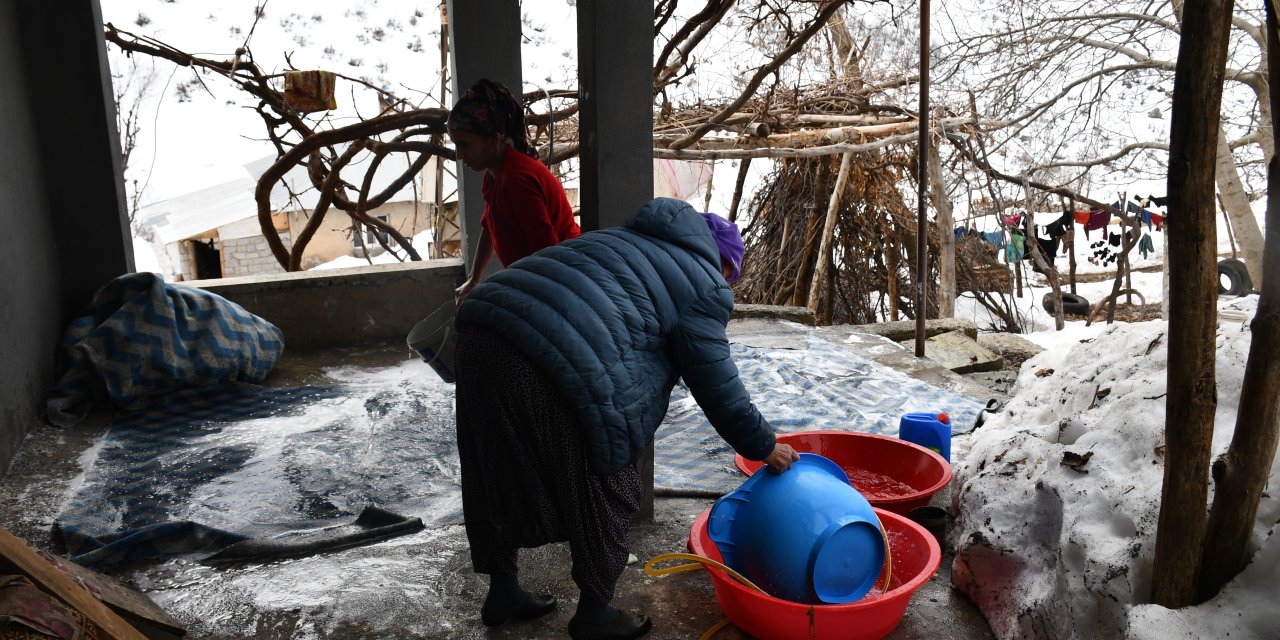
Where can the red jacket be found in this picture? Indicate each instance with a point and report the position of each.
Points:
(525, 208)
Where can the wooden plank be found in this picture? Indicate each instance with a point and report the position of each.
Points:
(17, 553)
(132, 605)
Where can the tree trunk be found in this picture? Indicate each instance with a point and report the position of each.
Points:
(1236, 204)
(828, 231)
(1050, 272)
(1241, 475)
(1192, 238)
(846, 49)
(946, 237)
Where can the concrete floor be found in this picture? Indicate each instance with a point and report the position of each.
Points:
(421, 586)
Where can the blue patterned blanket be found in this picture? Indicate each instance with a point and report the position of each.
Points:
(141, 337)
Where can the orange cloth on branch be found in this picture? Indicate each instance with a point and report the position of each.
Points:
(309, 91)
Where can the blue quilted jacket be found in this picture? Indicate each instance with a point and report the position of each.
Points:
(615, 317)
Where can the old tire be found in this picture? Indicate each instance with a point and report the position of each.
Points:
(1237, 278)
(1071, 303)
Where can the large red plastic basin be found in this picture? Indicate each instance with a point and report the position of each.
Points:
(891, 473)
(915, 556)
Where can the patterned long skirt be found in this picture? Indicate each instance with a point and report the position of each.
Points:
(525, 481)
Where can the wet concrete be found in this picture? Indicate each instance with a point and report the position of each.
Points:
(421, 586)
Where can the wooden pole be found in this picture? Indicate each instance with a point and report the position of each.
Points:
(438, 220)
(17, 556)
(1191, 398)
(1017, 264)
(922, 191)
(1231, 236)
(946, 237)
(737, 190)
(891, 252)
(1071, 247)
(706, 201)
(828, 232)
(806, 263)
(782, 248)
(1123, 263)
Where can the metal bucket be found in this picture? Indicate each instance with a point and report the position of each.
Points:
(434, 340)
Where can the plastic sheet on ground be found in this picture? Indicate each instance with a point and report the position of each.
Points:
(823, 386)
(198, 475)
(202, 472)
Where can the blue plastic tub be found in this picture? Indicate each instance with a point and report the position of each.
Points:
(805, 535)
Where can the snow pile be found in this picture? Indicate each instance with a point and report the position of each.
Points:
(1059, 497)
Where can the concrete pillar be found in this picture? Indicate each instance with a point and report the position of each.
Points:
(69, 86)
(615, 91)
(615, 85)
(63, 217)
(485, 36)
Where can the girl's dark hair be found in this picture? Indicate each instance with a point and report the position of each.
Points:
(488, 108)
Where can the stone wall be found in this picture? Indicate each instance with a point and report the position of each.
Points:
(250, 256)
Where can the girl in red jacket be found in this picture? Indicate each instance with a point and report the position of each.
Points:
(525, 208)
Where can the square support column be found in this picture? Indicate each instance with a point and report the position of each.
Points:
(485, 35)
(615, 115)
(615, 89)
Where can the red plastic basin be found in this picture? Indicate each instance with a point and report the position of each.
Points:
(891, 473)
(915, 556)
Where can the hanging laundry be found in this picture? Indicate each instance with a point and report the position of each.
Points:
(959, 232)
(1146, 218)
(1146, 246)
(309, 91)
(1113, 239)
(1098, 219)
(1048, 248)
(1082, 217)
(994, 238)
(1013, 221)
(1059, 227)
(1016, 248)
(1158, 221)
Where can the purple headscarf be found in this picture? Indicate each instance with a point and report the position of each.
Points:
(728, 241)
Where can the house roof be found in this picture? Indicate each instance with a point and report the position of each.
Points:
(194, 213)
(219, 205)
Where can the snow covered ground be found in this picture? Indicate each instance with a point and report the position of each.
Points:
(1049, 546)
(1052, 547)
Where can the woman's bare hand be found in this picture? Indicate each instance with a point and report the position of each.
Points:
(781, 457)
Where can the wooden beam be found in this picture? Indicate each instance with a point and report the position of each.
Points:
(16, 552)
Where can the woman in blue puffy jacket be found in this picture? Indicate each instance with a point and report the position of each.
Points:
(565, 365)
